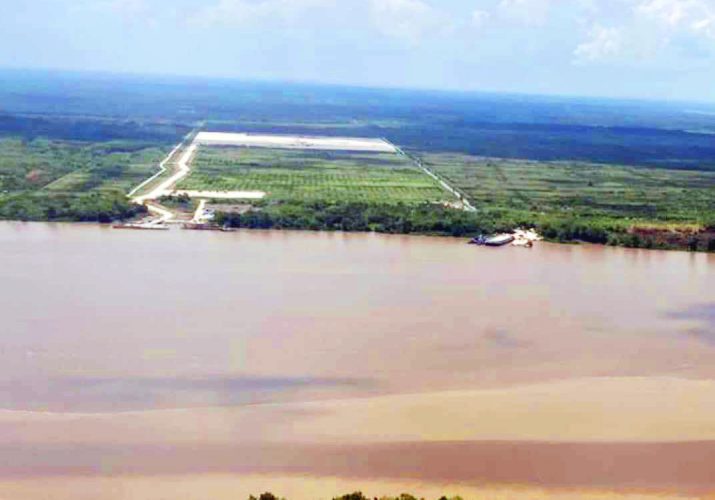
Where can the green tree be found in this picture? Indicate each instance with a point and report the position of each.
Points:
(352, 496)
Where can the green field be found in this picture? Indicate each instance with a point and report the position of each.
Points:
(63, 166)
(538, 189)
(72, 180)
(293, 175)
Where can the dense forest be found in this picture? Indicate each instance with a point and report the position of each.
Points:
(88, 207)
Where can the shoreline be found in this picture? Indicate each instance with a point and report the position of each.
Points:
(217, 486)
(465, 239)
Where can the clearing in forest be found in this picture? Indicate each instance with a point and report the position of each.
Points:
(325, 169)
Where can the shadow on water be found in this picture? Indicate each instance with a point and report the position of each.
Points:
(145, 393)
(704, 314)
(682, 467)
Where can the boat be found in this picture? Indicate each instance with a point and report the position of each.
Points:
(200, 226)
(479, 240)
(142, 227)
(499, 240)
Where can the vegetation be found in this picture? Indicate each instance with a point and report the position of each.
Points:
(77, 207)
(579, 189)
(308, 176)
(354, 496)
(620, 173)
(439, 220)
(360, 216)
(181, 202)
(567, 201)
(91, 129)
(42, 179)
(445, 132)
(504, 126)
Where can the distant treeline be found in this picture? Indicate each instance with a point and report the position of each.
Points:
(672, 135)
(660, 148)
(91, 129)
(355, 496)
(188, 99)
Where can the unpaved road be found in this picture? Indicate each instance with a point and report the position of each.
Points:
(166, 186)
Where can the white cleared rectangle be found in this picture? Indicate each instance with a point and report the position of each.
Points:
(222, 195)
(295, 142)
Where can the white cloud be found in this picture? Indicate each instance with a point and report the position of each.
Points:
(406, 20)
(124, 8)
(603, 43)
(480, 18)
(705, 27)
(671, 12)
(664, 34)
(694, 16)
(127, 7)
(527, 11)
(240, 12)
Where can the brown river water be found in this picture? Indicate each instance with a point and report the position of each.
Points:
(183, 365)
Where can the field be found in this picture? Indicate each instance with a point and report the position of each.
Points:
(59, 179)
(75, 167)
(293, 175)
(580, 189)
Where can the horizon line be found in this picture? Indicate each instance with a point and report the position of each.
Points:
(358, 86)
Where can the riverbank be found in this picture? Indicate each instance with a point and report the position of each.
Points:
(339, 205)
(218, 486)
(430, 219)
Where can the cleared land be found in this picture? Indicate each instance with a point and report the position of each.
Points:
(223, 195)
(291, 175)
(295, 142)
(580, 189)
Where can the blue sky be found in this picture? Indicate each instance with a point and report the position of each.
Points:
(613, 48)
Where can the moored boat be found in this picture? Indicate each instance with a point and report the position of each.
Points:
(499, 240)
(142, 227)
(479, 240)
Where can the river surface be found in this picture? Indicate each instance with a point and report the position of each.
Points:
(181, 364)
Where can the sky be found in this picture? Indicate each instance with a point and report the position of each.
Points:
(655, 49)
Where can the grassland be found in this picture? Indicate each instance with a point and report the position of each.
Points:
(312, 176)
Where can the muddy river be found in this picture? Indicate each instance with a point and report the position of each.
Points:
(181, 365)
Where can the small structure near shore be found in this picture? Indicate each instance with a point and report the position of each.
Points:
(526, 238)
